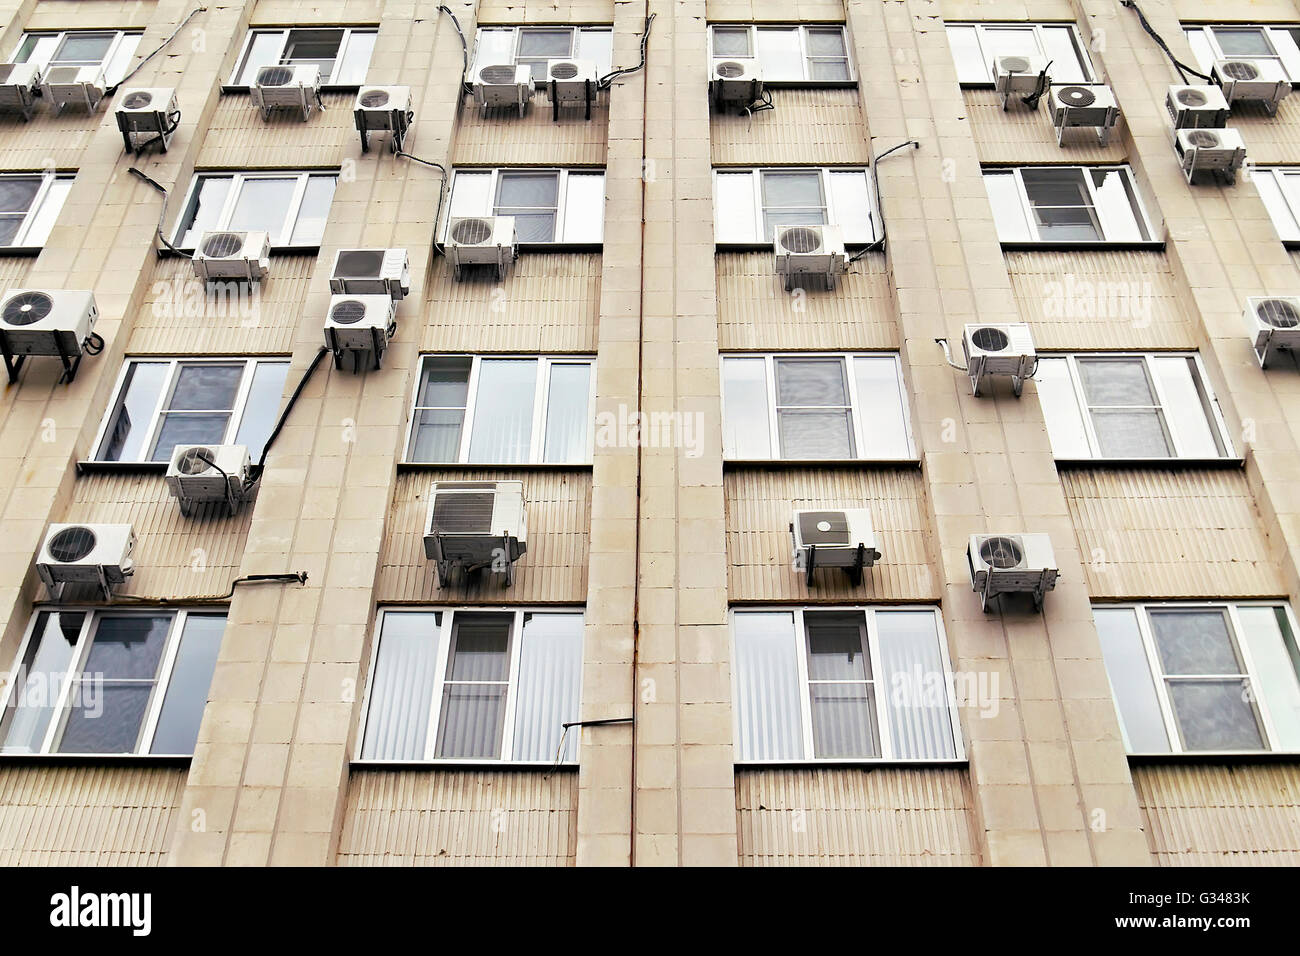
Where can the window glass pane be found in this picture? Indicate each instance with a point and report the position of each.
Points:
(545, 43)
(767, 687)
(731, 41)
(189, 428)
(806, 432)
(1284, 221)
(83, 48)
(597, 46)
(43, 673)
(1124, 416)
(474, 694)
(1061, 205)
(1117, 206)
(966, 55)
(550, 677)
(532, 199)
(1116, 382)
(828, 70)
(17, 192)
(1060, 409)
(810, 434)
(1130, 433)
(1008, 41)
(735, 218)
(440, 408)
(825, 41)
(852, 199)
(1131, 683)
(1202, 55)
(314, 212)
(201, 402)
(263, 50)
(1266, 631)
(883, 417)
(916, 685)
(471, 194)
(844, 720)
(568, 409)
(187, 687)
(205, 208)
(811, 381)
(401, 690)
(36, 48)
(9, 226)
(1242, 42)
(1215, 714)
(263, 204)
(503, 411)
(835, 647)
(494, 46)
(262, 407)
(1063, 52)
(124, 438)
(798, 190)
(1195, 642)
(1008, 212)
(1284, 45)
(351, 69)
(584, 207)
(745, 408)
(779, 53)
(313, 47)
(1186, 406)
(42, 220)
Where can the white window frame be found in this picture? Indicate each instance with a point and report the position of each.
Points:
(23, 238)
(1283, 187)
(1027, 210)
(1231, 608)
(89, 627)
(164, 396)
(806, 57)
(887, 746)
(561, 200)
(345, 37)
(833, 215)
(986, 48)
(856, 410)
(1286, 48)
(541, 406)
(122, 46)
(238, 178)
(445, 630)
(575, 41)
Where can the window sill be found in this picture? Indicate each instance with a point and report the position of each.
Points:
(514, 466)
(123, 760)
(227, 89)
(865, 763)
(1032, 246)
(275, 253)
(90, 467)
(19, 252)
(907, 464)
(1176, 464)
(531, 247)
(522, 765)
(1218, 756)
(810, 84)
(850, 247)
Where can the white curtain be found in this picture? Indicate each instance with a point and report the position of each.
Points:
(767, 687)
(503, 411)
(915, 685)
(550, 679)
(402, 688)
(568, 412)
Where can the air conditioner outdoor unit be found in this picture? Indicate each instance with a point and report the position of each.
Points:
(232, 255)
(1011, 563)
(360, 324)
(571, 82)
(476, 524)
(67, 85)
(1083, 104)
(86, 554)
(735, 82)
(147, 116)
(1197, 107)
(285, 86)
(18, 85)
(202, 474)
(481, 241)
(1219, 152)
(504, 84)
(371, 272)
(1020, 75)
(47, 322)
(1006, 349)
(809, 250)
(841, 538)
(1255, 81)
(1274, 322)
(384, 109)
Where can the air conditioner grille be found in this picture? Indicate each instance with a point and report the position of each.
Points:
(359, 263)
(137, 100)
(990, 339)
(374, 99)
(1001, 552)
(274, 76)
(471, 231)
(1240, 70)
(1203, 139)
(1015, 64)
(564, 71)
(1278, 313)
(348, 312)
(500, 74)
(72, 544)
(1076, 96)
(800, 239)
(1191, 97)
(823, 527)
(27, 308)
(195, 461)
(223, 245)
(463, 513)
(730, 70)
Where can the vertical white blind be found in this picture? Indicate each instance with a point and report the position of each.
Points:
(767, 687)
(915, 685)
(550, 676)
(503, 410)
(402, 688)
(568, 412)
(474, 691)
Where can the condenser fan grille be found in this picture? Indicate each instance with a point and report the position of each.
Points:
(823, 527)
(463, 513)
(498, 75)
(360, 263)
(1240, 70)
(348, 312)
(27, 308)
(1015, 64)
(471, 231)
(730, 70)
(195, 461)
(1001, 552)
(1192, 98)
(1278, 313)
(137, 100)
(1077, 96)
(989, 339)
(275, 76)
(223, 245)
(374, 99)
(564, 71)
(72, 544)
(1203, 139)
(801, 240)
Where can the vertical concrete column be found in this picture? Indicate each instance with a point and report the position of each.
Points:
(1049, 775)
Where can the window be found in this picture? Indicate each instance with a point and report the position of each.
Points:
(507, 410)
(291, 207)
(1114, 405)
(111, 682)
(814, 406)
(343, 54)
(535, 45)
(1066, 204)
(749, 204)
(29, 205)
(113, 49)
(787, 54)
(1279, 188)
(853, 684)
(162, 403)
(1280, 43)
(1203, 677)
(549, 205)
(474, 685)
(974, 45)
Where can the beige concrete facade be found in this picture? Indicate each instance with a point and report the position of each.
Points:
(658, 544)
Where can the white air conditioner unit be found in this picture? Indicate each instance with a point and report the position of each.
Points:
(1083, 104)
(46, 322)
(1196, 107)
(504, 84)
(809, 250)
(371, 272)
(570, 83)
(1006, 349)
(285, 86)
(1252, 80)
(1021, 75)
(147, 116)
(476, 524)
(842, 538)
(1274, 323)
(1011, 564)
(481, 241)
(18, 85)
(232, 255)
(360, 324)
(1219, 152)
(86, 554)
(73, 85)
(735, 82)
(384, 109)
(202, 474)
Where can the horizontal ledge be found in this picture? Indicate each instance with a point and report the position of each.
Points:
(906, 464)
(227, 88)
(518, 765)
(120, 467)
(20, 252)
(767, 246)
(153, 760)
(1218, 756)
(1172, 464)
(489, 466)
(866, 763)
(1028, 246)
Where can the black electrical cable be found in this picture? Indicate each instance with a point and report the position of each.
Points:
(1182, 68)
(284, 415)
(175, 117)
(442, 191)
(559, 748)
(464, 47)
(1031, 99)
(136, 69)
(875, 182)
(161, 215)
(604, 82)
(282, 578)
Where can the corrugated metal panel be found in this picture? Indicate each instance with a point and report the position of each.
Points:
(550, 302)
(1236, 814)
(73, 14)
(238, 132)
(178, 316)
(460, 818)
(1169, 533)
(759, 504)
(1022, 135)
(883, 816)
(87, 815)
(755, 311)
(512, 12)
(807, 126)
(554, 569)
(1100, 300)
(14, 270)
(1269, 139)
(501, 137)
(175, 556)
